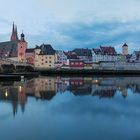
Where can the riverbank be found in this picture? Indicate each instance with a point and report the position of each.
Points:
(91, 72)
(17, 76)
(21, 75)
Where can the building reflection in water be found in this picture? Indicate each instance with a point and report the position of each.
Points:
(45, 88)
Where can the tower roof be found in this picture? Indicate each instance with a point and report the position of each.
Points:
(125, 45)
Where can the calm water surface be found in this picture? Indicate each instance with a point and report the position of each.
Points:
(70, 108)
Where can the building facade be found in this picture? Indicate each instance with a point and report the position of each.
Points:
(84, 54)
(76, 64)
(61, 59)
(30, 56)
(45, 57)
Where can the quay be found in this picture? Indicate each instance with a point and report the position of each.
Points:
(17, 76)
(90, 72)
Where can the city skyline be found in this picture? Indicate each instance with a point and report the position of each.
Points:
(68, 24)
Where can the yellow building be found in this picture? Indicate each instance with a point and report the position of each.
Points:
(45, 57)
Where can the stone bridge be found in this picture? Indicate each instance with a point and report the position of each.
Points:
(8, 65)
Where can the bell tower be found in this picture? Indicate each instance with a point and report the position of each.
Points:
(22, 46)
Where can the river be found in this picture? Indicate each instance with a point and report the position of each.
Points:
(70, 108)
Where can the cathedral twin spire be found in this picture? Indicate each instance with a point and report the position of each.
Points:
(14, 36)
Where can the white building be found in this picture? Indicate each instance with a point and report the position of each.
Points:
(104, 54)
(135, 56)
(61, 58)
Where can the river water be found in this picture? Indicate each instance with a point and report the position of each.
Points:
(70, 108)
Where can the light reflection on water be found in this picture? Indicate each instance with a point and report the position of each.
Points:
(70, 108)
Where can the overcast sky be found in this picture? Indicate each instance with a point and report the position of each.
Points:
(68, 24)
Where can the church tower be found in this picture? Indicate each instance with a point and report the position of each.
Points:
(14, 36)
(125, 49)
(22, 46)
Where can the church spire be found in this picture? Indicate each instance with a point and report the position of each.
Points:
(13, 28)
(14, 36)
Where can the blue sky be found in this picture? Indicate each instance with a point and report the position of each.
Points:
(68, 24)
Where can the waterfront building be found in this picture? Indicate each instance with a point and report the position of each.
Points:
(88, 65)
(104, 54)
(61, 58)
(71, 57)
(15, 48)
(76, 64)
(84, 54)
(135, 57)
(30, 56)
(45, 57)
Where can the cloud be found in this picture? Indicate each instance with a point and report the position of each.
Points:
(91, 34)
(69, 24)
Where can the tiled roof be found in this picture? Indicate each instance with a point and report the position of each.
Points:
(8, 49)
(108, 50)
(47, 49)
(83, 52)
(31, 50)
(97, 51)
(71, 55)
(137, 52)
(125, 45)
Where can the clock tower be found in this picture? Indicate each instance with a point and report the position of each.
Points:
(22, 46)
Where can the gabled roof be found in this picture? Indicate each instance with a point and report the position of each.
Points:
(46, 49)
(108, 50)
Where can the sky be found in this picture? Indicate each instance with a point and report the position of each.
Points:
(68, 24)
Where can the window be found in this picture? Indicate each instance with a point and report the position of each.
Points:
(50, 57)
(72, 63)
(50, 61)
(76, 63)
(46, 61)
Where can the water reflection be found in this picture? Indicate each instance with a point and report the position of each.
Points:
(45, 88)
